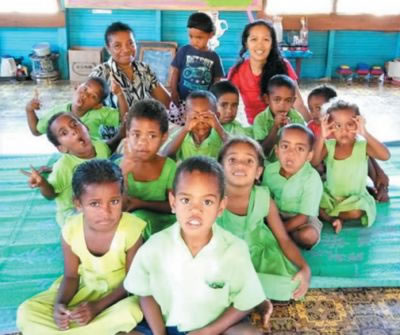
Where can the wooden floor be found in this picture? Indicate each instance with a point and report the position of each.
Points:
(372, 311)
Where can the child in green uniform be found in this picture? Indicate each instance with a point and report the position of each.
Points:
(295, 185)
(202, 133)
(98, 245)
(346, 158)
(87, 105)
(227, 107)
(283, 272)
(194, 277)
(280, 96)
(71, 138)
(148, 176)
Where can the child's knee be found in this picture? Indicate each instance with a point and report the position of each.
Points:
(306, 237)
(355, 214)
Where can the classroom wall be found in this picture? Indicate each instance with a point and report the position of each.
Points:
(83, 28)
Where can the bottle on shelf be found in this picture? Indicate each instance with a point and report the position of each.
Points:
(304, 32)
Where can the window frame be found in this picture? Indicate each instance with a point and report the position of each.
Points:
(34, 20)
(334, 21)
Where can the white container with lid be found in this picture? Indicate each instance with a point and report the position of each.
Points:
(42, 49)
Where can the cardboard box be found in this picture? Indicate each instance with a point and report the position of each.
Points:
(81, 62)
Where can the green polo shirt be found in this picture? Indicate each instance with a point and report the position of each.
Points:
(264, 122)
(61, 180)
(102, 123)
(192, 291)
(300, 194)
(209, 147)
(236, 128)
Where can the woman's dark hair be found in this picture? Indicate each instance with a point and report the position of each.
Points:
(95, 171)
(105, 89)
(53, 137)
(327, 92)
(223, 87)
(149, 109)
(242, 140)
(274, 64)
(201, 21)
(202, 164)
(341, 104)
(115, 27)
(201, 94)
(280, 80)
(300, 127)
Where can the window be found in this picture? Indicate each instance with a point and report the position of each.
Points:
(374, 7)
(290, 7)
(29, 7)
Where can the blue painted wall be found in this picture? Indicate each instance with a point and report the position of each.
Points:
(84, 28)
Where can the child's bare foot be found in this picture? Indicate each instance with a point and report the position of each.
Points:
(337, 225)
(382, 193)
(265, 310)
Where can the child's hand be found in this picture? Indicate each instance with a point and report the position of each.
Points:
(381, 184)
(84, 313)
(202, 331)
(191, 121)
(35, 179)
(33, 105)
(175, 98)
(281, 120)
(327, 128)
(304, 276)
(210, 118)
(116, 88)
(61, 316)
(131, 203)
(360, 125)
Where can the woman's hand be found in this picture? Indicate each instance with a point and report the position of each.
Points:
(84, 313)
(61, 316)
(304, 276)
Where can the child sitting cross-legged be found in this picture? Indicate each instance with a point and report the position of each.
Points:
(252, 215)
(280, 93)
(71, 138)
(202, 133)
(295, 185)
(227, 107)
(346, 158)
(148, 176)
(87, 105)
(98, 245)
(195, 277)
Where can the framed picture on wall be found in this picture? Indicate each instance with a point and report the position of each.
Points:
(158, 55)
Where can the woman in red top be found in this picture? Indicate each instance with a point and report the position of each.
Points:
(250, 75)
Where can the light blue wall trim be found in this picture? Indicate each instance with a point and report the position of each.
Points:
(63, 50)
(329, 56)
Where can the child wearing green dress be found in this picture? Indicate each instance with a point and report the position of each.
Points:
(195, 277)
(252, 215)
(148, 175)
(202, 133)
(87, 105)
(98, 245)
(280, 95)
(295, 185)
(71, 138)
(227, 107)
(346, 158)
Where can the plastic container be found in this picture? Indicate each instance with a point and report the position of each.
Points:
(42, 49)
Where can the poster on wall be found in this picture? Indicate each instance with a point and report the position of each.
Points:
(168, 4)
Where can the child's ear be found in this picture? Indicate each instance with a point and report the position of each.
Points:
(265, 98)
(77, 204)
(222, 205)
(172, 199)
(276, 150)
(259, 172)
(61, 148)
(164, 137)
(310, 155)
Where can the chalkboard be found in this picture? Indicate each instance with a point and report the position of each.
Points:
(168, 4)
(158, 55)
